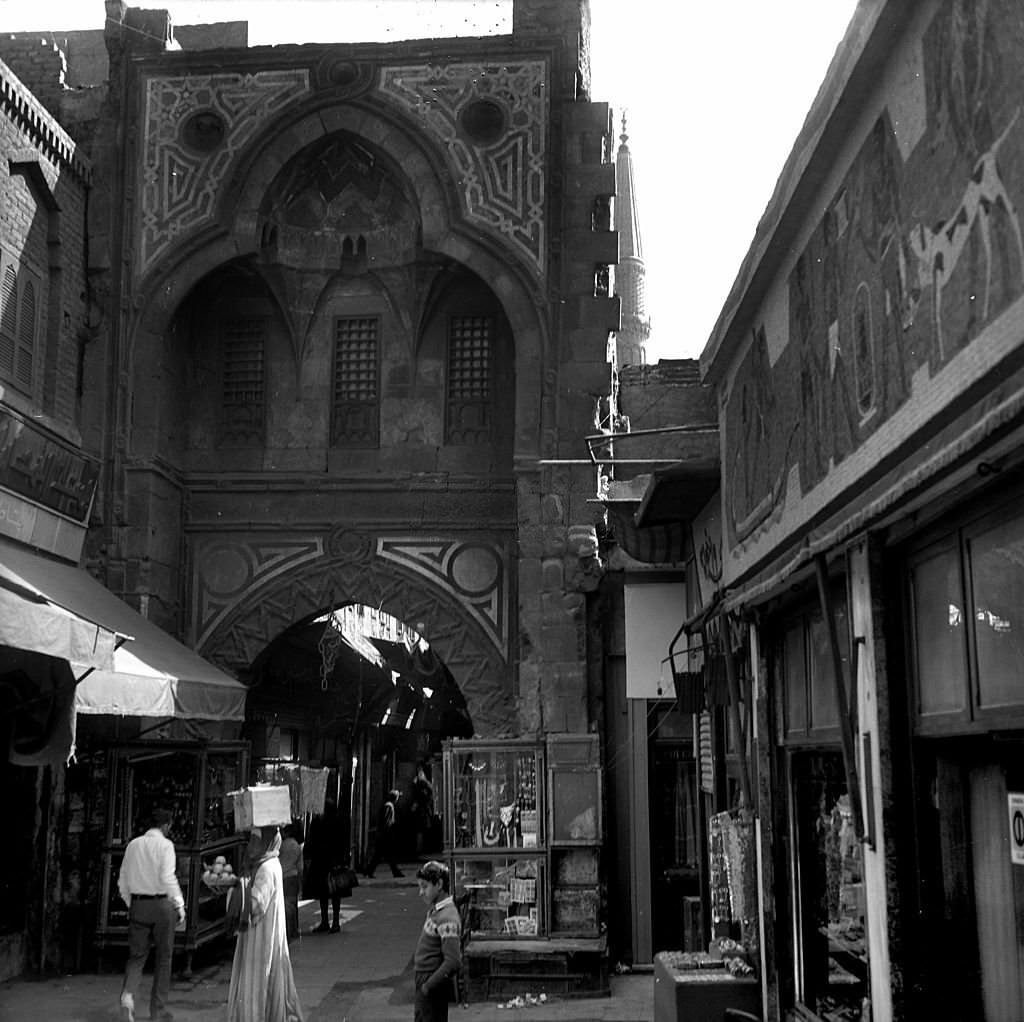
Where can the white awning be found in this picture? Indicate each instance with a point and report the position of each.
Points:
(150, 675)
(31, 622)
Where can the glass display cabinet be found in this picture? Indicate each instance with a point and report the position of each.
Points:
(494, 834)
(575, 829)
(523, 832)
(192, 780)
(523, 835)
(502, 895)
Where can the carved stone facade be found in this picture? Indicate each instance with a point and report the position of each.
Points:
(356, 342)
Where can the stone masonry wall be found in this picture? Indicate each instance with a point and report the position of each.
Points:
(558, 565)
(43, 185)
(40, 65)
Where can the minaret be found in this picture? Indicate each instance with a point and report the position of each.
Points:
(631, 340)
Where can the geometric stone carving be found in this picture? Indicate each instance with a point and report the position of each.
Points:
(180, 179)
(226, 567)
(274, 584)
(500, 183)
(473, 572)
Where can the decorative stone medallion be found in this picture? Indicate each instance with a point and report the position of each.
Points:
(474, 572)
(193, 128)
(500, 173)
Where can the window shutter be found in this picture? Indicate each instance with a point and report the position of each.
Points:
(26, 335)
(8, 319)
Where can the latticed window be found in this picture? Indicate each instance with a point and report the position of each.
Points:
(19, 323)
(469, 379)
(355, 406)
(243, 407)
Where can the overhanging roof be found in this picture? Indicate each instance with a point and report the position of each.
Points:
(30, 621)
(679, 492)
(151, 674)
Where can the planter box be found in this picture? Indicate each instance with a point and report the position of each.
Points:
(264, 805)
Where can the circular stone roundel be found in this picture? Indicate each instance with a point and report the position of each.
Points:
(475, 569)
(203, 131)
(483, 121)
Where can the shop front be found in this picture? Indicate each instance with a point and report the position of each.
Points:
(963, 586)
(869, 365)
(107, 714)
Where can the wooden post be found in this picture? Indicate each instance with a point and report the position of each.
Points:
(842, 703)
(734, 715)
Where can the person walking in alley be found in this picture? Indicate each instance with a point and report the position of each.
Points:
(323, 850)
(423, 813)
(438, 954)
(149, 887)
(385, 847)
(262, 984)
(291, 873)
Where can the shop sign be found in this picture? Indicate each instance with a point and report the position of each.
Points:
(1015, 801)
(45, 470)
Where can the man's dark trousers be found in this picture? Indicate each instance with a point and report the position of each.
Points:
(151, 921)
(432, 1006)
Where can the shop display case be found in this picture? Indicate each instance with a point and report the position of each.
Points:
(494, 819)
(575, 827)
(502, 893)
(495, 795)
(522, 816)
(523, 833)
(193, 781)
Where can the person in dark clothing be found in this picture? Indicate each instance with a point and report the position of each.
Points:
(324, 849)
(387, 832)
(422, 807)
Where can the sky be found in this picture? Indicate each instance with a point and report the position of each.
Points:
(714, 93)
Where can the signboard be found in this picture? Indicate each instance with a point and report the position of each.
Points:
(1015, 804)
(44, 469)
(654, 612)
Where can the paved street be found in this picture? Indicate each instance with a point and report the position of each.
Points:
(362, 974)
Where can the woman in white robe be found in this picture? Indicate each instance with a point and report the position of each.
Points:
(262, 985)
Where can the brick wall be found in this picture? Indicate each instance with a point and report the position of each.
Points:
(39, 64)
(43, 185)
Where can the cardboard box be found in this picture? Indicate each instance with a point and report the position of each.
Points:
(263, 805)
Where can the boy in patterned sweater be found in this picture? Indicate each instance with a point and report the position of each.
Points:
(439, 949)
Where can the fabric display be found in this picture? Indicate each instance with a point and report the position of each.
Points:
(307, 788)
(738, 848)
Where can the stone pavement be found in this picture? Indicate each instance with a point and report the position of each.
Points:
(362, 974)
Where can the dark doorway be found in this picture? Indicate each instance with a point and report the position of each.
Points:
(675, 847)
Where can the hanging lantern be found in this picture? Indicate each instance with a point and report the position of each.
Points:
(331, 641)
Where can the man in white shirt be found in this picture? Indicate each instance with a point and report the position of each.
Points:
(149, 887)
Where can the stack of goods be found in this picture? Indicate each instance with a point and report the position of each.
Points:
(262, 805)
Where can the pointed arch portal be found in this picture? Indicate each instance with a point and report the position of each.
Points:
(453, 591)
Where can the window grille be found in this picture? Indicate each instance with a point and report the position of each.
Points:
(355, 409)
(469, 379)
(243, 406)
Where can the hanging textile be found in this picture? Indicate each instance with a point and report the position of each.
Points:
(313, 789)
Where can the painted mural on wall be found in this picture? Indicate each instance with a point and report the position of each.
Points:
(919, 250)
